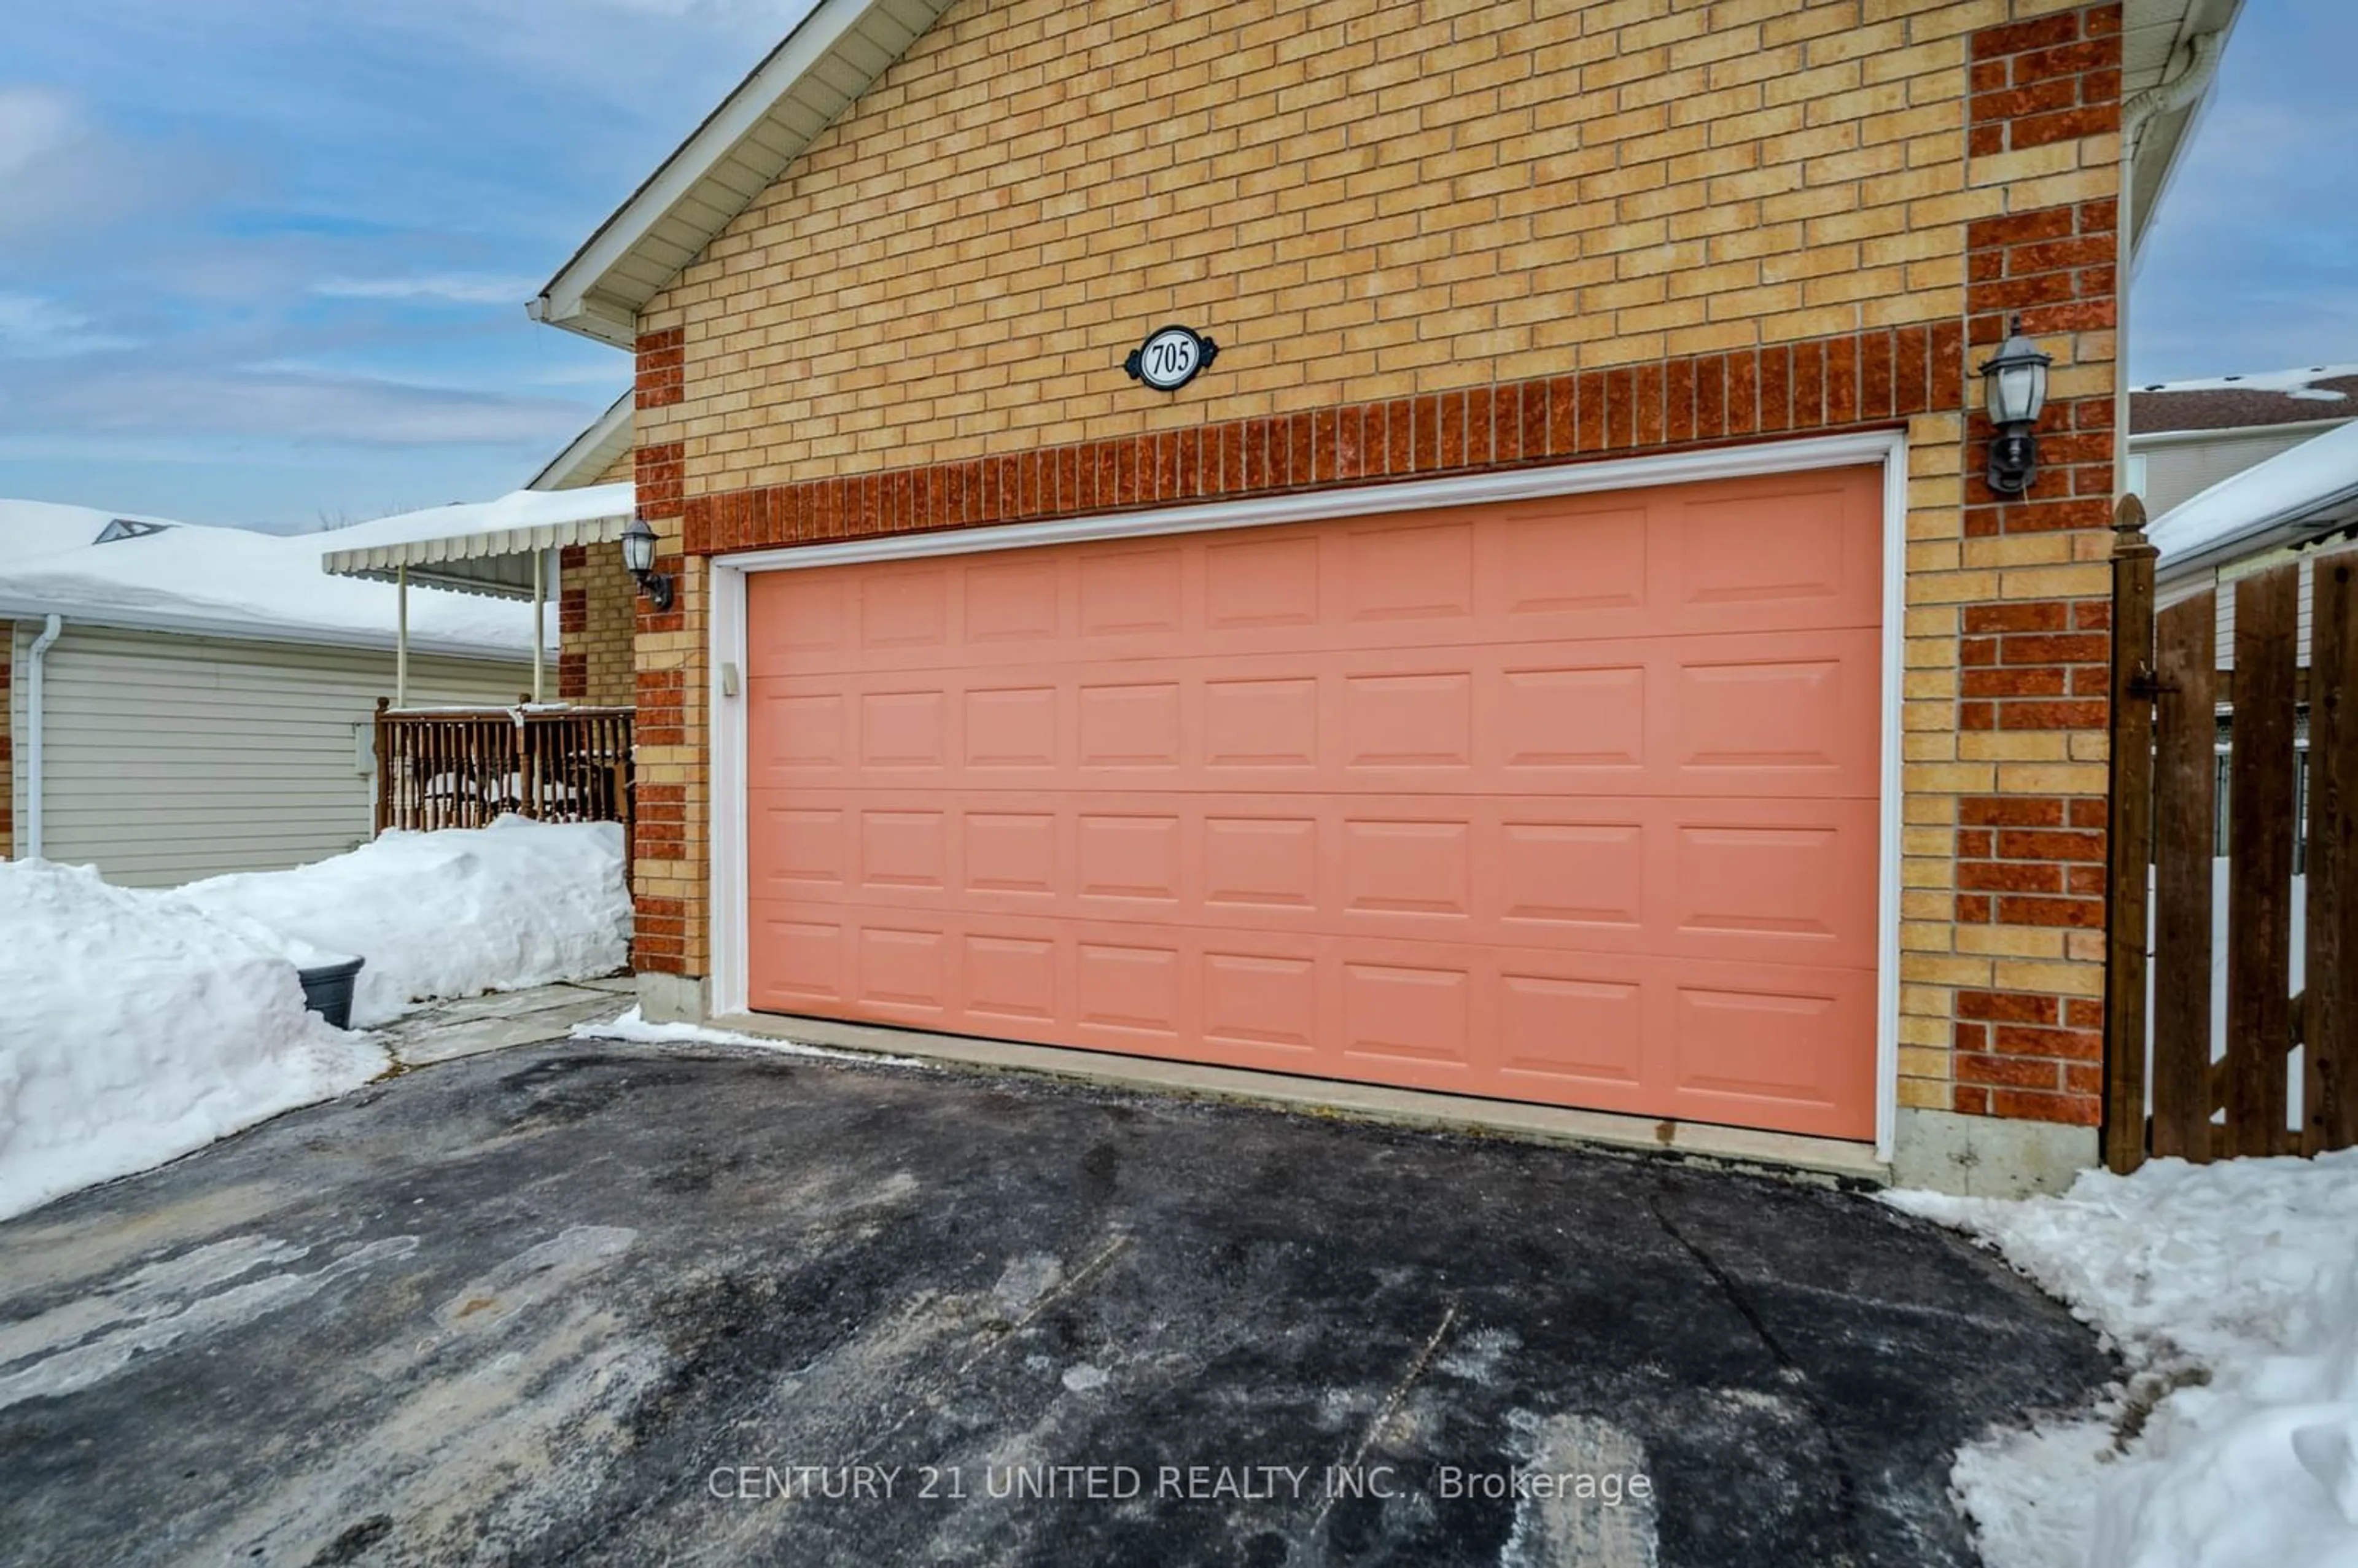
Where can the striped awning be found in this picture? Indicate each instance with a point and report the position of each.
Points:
(496, 561)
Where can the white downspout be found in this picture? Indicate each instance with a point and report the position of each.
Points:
(30, 848)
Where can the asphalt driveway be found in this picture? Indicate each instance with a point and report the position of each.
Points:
(633, 1304)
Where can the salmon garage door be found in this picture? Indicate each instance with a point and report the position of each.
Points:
(1571, 800)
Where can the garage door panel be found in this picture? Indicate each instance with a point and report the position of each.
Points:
(1784, 714)
(1012, 604)
(1766, 1045)
(1788, 714)
(1763, 1044)
(1570, 801)
(1802, 553)
(1768, 880)
(905, 607)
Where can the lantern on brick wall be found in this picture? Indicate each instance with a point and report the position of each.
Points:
(639, 556)
(2013, 388)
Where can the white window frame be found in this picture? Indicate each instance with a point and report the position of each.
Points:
(727, 912)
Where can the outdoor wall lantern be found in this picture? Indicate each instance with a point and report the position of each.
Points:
(2014, 386)
(639, 555)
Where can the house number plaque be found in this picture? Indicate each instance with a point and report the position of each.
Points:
(1169, 359)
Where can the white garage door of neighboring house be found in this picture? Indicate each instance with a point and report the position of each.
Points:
(169, 758)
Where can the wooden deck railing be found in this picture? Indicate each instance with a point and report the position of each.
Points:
(461, 767)
(2176, 1082)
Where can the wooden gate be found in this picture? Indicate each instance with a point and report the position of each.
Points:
(2179, 1078)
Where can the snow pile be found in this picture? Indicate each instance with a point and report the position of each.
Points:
(135, 1028)
(632, 1026)
(449, 913)
(2232, 1292)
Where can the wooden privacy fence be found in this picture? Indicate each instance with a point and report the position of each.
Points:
(461, 767)
(2174, 1084)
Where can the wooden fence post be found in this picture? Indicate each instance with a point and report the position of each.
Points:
(2260, 830)
(2129, 839)
(383, 745)
(2330, 1021)
(2185, 791)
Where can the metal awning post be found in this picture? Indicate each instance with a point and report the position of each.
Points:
(401, 636)
(539, 625)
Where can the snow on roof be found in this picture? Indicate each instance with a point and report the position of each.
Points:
(497, 547)
(2295, 382)
(29, 528)
(2295, 492)
(517, 508)
(234, 582)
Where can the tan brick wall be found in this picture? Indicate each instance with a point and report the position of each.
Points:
(597, 625)
(1439, 207)
(617, 471)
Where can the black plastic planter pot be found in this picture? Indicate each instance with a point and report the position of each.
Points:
(328, 990)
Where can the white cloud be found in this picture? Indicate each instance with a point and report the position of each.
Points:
(32, 328)
(63, 174)
(280, 407)
(454, 287)
(33, 122)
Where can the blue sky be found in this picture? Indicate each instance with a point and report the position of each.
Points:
(264, 261)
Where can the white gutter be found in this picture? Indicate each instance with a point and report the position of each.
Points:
(2191, 82)
(30, 847)
(230, 629)
(2304, 428)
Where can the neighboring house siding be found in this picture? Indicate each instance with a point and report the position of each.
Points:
(171, 757)
(7, 741)
(2181, 469)
(1444, 244)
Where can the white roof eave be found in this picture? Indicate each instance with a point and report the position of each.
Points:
(820, 68)
(588, 454)
(2305, 491)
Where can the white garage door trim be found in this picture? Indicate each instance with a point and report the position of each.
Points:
(726, 648)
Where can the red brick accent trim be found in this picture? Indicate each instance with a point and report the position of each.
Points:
(658, 472)
(658, 932)
(661, 708)
(2049, 80)
(2055, 267)
(1859, 380)
(662, 368)
(2023, 1054)
(659, 821)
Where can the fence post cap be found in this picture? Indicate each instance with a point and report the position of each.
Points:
(2128, 529)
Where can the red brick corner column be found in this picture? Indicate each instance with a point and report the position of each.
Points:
(2033, 666)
